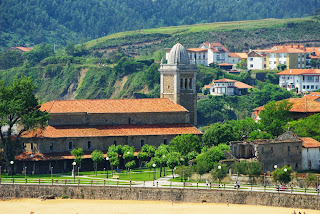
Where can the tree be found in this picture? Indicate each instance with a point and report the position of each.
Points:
(282, 175)
(185, 144)
(219, 171)
(214, 154)
(161, 156)
(239, 167)
(254, 169)
(173, 160)
(10, 59)
(281, 67)
(18, 108)
(69, 49)
(38, 53)
(306, 127)
(201, 168)
(242, 128)
(96, 157)
(128, 154)
(184, 172)
(78, 153)
(275, 116)
(218, 133)
(242, 64)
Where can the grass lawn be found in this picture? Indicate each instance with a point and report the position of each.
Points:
(136, 175)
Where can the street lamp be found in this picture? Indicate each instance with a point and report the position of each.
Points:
(11, 162)
(25, 174)
(219, 167)
(107, 159)
(74, 174)
(51, 175)
(154, 172)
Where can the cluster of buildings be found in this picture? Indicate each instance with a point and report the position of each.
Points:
(209, 53)
(98, 124)
(301, 153)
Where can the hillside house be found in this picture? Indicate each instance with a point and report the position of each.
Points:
(300, 80)
(301, 108)
(310, 153)
(227, 87)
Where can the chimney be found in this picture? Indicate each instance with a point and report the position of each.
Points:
(209, 44)
(290, 72)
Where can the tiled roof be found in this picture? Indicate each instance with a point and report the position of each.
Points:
(225, 64)
(197, 49)
(212, 45)
(24, 49)
(300, 105)
(299, 71)
(309, 142)
(242, 85)
(235, 55)
(312, 96)
(288, 50)
(206, 87)
(108, 131)
(113, 106)
(223, 80)
(277, 47)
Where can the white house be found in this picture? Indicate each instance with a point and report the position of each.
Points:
(310, 153)
(235, 58)
(227, 87)
(207, 53)
(302, 80)
(257, 59)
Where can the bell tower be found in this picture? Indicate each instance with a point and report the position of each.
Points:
(178, 81)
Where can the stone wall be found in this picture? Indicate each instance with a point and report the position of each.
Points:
(163, 194)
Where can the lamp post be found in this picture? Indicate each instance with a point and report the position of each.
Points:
(154, 172)
(183, 178)
(11, 162)
(107, 159)
(25, 174)
(219, 168)
(275, 167)
(74, 173)
(51, 175)
(264, 181)
(318, 186)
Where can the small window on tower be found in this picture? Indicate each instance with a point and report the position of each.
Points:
(89, 144)
(186, 83)
(31, 146)
(51, 146)
(181, 83)
(70, 145)
(190, 83)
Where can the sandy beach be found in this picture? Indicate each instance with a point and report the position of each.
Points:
(73, 206)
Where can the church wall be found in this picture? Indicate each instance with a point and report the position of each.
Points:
(68, 119)
(99, 143)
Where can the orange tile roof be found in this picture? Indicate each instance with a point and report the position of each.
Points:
(235, 55)
(223, 80)
(309, 142)
(242, 85)
(288, 50)
(108, 131)
(215, 44)
(206, 86)
(300, 105)
(225, 64)
(198, 49)
(112, 106)
(299, 71)
(287, 46)
(312, 96)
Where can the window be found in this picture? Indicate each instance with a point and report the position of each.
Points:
(312, 86)
(304, 87)
(251, 65)
(308, 86)
(181, 83)
(70, 146)
(31, 146)
(51, 146)
(165, 142)
(186, 83)
(190, 84)
(129, 120)
(288, 148)
(115, 142)
(141, 142)
(271, 149)
(89, 144)
(251, 59)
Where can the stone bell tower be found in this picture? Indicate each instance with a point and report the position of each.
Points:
(178, 81)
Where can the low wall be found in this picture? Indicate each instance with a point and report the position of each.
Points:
(162, 194)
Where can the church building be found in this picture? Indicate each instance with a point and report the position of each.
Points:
(98, 124)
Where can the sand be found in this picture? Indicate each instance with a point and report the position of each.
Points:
(73, 206)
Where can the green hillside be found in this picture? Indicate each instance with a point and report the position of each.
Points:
(30, 22)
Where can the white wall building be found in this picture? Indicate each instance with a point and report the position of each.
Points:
(310, 153)
(302, 80)
(257, 60)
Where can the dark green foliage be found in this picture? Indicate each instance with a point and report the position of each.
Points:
(61, 59)
(211, 156)
(152, 75)
(306, 127)
(218, 133)
(18, 106)
(219, 171)
(184, 172)
(186, 143)
(38, 53)
(243, 128)
(281, 175)
(275, 117)
(78, 153)
(251, 168)
(281, 67)
(10, 59)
